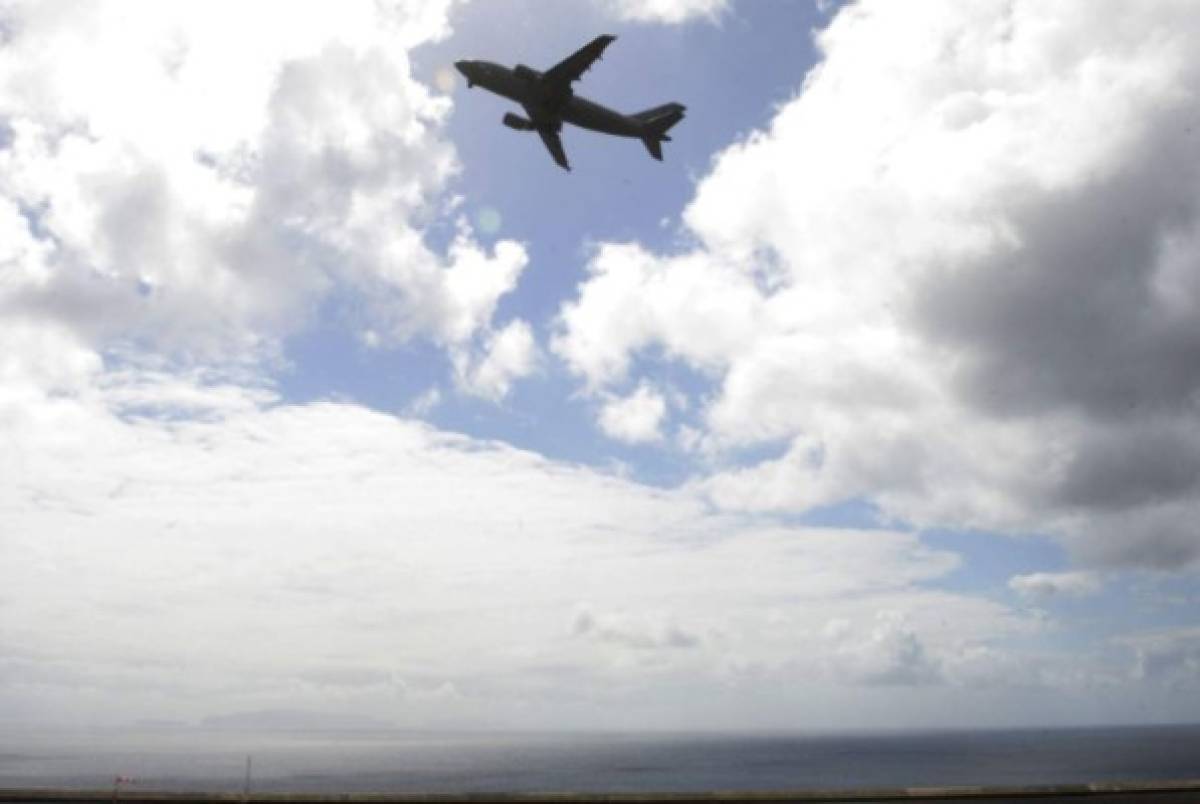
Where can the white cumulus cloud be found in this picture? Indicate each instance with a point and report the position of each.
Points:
(954, 276)
(200, 177)
(508, 355)
(887, 653)
(636, 418)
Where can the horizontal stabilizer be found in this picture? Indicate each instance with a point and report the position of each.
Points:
(655, 124)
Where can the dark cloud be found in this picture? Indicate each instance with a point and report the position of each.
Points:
(1163, 537)
(1071, 315)
(1088, 325)
(1127, 467)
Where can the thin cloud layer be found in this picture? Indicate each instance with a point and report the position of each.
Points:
(666, 11)
(1170, 656)
(955, 276)
(1042, 586)
(159, 565)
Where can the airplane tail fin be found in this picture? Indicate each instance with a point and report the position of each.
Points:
(655, 124)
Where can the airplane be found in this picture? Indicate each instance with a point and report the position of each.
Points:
(549, 101)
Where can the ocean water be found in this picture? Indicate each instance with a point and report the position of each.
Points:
(187, 759)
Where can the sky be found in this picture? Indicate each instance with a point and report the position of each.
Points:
(876, 404)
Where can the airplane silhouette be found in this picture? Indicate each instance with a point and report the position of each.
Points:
(549, 101)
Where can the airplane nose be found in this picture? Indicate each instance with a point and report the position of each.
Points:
(467, 68)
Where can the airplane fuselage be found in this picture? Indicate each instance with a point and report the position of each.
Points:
(549, 100)
(521, 85)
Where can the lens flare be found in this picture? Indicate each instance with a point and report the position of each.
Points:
(445, 79)
(488, 220)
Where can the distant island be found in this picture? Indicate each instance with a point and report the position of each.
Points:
(294, 720)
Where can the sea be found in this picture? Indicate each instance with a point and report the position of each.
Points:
(393, 761)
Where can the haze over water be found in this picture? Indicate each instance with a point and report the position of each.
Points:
(361, 761)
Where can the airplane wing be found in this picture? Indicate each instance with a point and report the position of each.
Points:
(568, 71)
(554, 146)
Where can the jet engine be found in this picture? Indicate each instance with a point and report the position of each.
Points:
(525, 73)
(518, 123)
